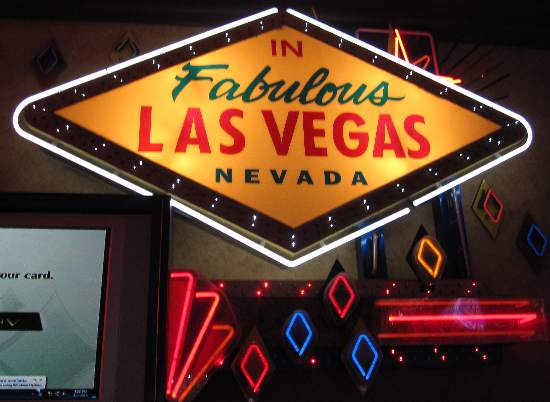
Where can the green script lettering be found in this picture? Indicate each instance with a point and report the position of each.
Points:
(317, 89)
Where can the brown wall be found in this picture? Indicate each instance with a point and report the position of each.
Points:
(521, 183)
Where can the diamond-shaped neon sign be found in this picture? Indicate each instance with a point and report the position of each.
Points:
(491, 198)
(341, 296)
(269, 129)
(362, 358)
(254, 356)
(537, 240)
(252, 366)
(430, 256)
(365, 365)
(299, 332)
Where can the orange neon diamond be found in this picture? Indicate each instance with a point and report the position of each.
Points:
(434, 270)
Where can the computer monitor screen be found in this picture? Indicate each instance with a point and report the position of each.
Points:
(52, 294)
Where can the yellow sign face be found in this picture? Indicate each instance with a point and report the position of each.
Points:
(282, 123)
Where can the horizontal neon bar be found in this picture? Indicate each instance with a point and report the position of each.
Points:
(454, 302)
(457, 334)
(522, 318)
(459, 321)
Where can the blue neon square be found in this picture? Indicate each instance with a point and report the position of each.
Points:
(366, 369)
(538, 251)
(299, 318)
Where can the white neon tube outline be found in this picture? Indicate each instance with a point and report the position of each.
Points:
(444, 82)
(271, 254)
(216, 225)
(67, 155)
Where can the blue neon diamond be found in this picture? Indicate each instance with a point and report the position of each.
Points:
(365, 372)
(538, 251)
(297, 318)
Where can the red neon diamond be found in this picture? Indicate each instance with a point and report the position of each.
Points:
(491, 195)
(254, 366)
(340, 284)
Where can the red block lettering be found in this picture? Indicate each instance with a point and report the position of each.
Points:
(424, 145)
(145, 144)
(281, 143)
(385, 124)
(362, 137)
(193, 117)
(229, 128)
(310, 132)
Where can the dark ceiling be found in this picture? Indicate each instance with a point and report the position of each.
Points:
(524, 23)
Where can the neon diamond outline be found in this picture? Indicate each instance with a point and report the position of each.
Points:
(288, 332)
(436, 269)
(539, 252)
(491, 194)
(254, 385)
(341, 312)
(368, 373)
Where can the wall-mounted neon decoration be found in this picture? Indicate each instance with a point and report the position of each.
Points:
(126, 49)
(181, 287)
(366, 368)
(459, 321)
(201, 328)
(486, 207)
(537, 240)
(532, 242)
(386, 39)
(520, 318)
(452, 80)
(214, 298)
(255, 382)
(299, 332)
(341, 296)
(491, 198)
(49, 63)
(430, 256)
(422, 61)
(229, 334)
(252, 366)
(427, 61)
(398, 46)
(362, 358)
